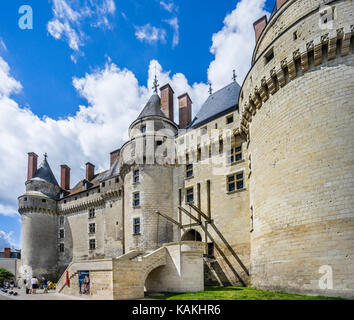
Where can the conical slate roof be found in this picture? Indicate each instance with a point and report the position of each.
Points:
(152, 108)
(45, 173)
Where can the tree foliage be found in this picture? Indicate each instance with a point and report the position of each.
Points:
(5, 274)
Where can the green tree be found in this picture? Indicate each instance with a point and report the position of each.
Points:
(5, 274)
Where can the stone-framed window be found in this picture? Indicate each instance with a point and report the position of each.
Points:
(61, 247)
(92, 213)
(235, 182)
(136, 199)
(136, 177)
(61, 234)
(61, 220)
(189, 170)
(92, 228)
(136, 226)
(92, 244)
(230, 119)
(143, 129)
(189, 195)
(268, 56)
(235, 154)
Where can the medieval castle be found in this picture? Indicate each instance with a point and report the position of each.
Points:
(256, 190)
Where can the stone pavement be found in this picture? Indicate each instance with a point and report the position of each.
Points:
(51, 295)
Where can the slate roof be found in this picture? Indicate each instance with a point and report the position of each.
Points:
(217, 103)
(152, 108)
(98, 178)
(45, 173)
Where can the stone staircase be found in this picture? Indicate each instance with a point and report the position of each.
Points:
(120, 278)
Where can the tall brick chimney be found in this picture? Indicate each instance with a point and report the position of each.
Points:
(7, 253)
(32, 165)
(185, 110)
(90, 171)
(259, 26)
(167, 100)
(65, 177)
(279, 3)
(114, 155)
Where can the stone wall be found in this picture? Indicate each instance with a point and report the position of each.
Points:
(229, 211)
(155, 190)
(300, 126)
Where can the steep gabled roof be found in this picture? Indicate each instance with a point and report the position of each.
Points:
(217, 103)
(152, 108)
(45, 173)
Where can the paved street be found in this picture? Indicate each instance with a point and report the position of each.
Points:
(39, 296)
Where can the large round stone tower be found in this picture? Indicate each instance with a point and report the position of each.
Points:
(38, 211)
(297, 110)
(147, 162)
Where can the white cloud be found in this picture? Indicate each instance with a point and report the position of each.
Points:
(150, 34)
(2, 45)
(174, 24)
(234, 43)
(114, 99)
(170, 7)
(70, 15)
(7, 240)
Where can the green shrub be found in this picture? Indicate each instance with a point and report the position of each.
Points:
(5, 275)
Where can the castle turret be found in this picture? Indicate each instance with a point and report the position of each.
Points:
(38, 209)
(148, 177)
(297, 110)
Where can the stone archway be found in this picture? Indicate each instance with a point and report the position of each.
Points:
(191, 235)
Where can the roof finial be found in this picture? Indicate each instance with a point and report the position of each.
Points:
(45, 156)
(155, 83)
(234, 76)
(210, 89)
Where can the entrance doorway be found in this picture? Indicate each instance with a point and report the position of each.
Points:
(191, 235)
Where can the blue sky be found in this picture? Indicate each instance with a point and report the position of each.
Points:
(72, 85)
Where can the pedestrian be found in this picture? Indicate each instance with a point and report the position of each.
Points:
(28, 286)
(86, 285)
(45, 285)
(35, 284)
(12, 284)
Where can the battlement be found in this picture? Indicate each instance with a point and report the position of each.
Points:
(286, 52)
(34, 203)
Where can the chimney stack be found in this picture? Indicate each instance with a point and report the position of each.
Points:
(279, 3)
(7, 253)
(114, 156)
(259, 26)
(65, 177)
(185, 110)
(167, 100)
(90, 171)
(32, 165)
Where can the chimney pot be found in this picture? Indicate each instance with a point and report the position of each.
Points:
(32, 165)
(279, 3)
(259, 26)
(167, 100)
(90, 171)
(7, 253)
(65, 177)
(185, 110)
(114, 156)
